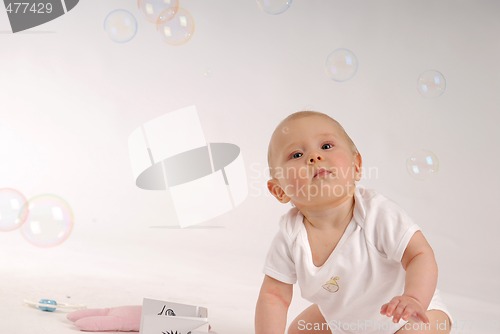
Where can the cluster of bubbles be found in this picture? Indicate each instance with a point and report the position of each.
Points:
(423, 163)
(175, 24)
(44, 220)
(342, 64)
(176, 27)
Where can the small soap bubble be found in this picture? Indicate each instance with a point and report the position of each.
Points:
(285, 130)
(341, 65)
(431, 84)
(49, 222)
(274, 7)
(155, 10)
(13, 209)
(207, 73)
(120, 25)
(422, 164)
(178, 29)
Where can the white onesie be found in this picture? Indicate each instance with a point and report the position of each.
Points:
(362, 273)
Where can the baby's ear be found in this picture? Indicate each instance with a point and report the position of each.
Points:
(358, 164)
(274, 188)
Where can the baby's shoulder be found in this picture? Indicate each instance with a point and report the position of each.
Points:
(385, 224)
(291, 223)
(378, 214)
(370, 205)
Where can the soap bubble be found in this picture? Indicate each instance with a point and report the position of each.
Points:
(13, 209)
(422, 164)
(341, 65)
(274, 7)
(177, 30)
(154, 9)
(49, 221)
(120, 25)
(207, 73)
(431, 84)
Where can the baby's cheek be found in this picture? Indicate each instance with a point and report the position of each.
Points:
(294, 187)
(347, 169)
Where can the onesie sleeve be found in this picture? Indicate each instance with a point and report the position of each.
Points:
(279, 263)
(393, 230)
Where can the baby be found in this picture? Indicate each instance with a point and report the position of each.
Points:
(357, 257)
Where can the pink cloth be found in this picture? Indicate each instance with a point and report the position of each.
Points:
(121, 319)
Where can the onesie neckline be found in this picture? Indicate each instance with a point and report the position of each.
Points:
(303, 234)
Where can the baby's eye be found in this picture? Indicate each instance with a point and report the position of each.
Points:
(326, 146)
(296, 155)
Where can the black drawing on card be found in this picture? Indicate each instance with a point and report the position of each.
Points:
(168, 312)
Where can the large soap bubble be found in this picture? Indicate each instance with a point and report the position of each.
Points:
(422, 164)
(153, 10)
(341, 65)
(13, 209)
(178, 29)
(49, 222)
(431, 84)
(274, 7)
(120, 25)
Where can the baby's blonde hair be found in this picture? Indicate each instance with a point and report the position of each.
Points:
(302, 114)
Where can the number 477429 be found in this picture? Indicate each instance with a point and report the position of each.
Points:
(24, 7)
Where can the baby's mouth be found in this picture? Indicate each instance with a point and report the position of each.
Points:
(321, 172)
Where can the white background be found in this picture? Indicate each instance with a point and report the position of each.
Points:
(69, 98)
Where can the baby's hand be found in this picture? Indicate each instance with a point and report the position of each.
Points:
(404, 307)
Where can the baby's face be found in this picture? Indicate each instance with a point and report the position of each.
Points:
(312, 162)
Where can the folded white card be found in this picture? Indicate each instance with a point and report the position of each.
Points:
(161, 317)
(204, 180)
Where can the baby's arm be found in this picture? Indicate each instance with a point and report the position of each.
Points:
(272, 306)
(421, 279)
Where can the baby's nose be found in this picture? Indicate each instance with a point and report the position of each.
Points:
(314, 158)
